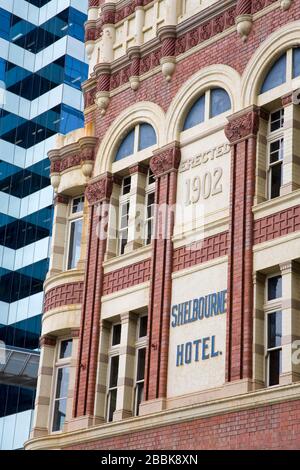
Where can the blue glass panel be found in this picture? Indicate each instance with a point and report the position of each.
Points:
(127, 146)
(196, 114)
(147, 136)
(276, 76)
(219, 102)
(296, 62)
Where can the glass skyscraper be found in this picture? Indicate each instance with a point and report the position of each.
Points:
(42, 66)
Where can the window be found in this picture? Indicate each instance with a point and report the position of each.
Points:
(150, 205)
(274, 287)
(276, 146)
(276, 75)
(273, 329)
(116, 334)
(213, 103)
(274, 350)
(113, 387)
(75, 232)
(140, 138)
(280, 73)
(139, 379)
(61, 385)
(140, 363)
(124, 214)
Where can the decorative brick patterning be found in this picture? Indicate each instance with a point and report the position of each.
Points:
(206, 250)
(267, 427)
(128, 276)
(277, 225)
(65, 294)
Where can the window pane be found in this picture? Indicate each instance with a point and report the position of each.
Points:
(77, 205)
(127, 146)
(112, 404)
(75, 243)
(277, 120)
(116, 336)
(219, 102)
(59, 417)
(274, 329)
(196, 114)
(62, 382)
(274, 367)
(274, 287)
(147, 136)
(139, 396)
(296, 62)
(276, 151)
(141, 364)
(123, 241)
(114, 371)
(276, 180)
(126, 185)
(143, 327)
(151, 177)
(276, 76)
(66, 349)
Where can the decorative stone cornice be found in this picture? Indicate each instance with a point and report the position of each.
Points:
(99, 190)
(242, 125)
(166, 159)
(72, 155)
(47, 340)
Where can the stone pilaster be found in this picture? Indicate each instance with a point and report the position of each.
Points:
(242, 134)
(290, 272)
(98, 194)
(164, 165)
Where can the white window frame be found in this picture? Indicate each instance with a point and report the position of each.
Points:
(72, 218)
(150, 189)
(141, 343)
(275, 136)
(113, 352)
(124, 200)
(271, 306)
(59, 364)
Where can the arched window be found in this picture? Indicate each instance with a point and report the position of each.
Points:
(276, 75)
(214, 102)
(140, 138)
(296, 62)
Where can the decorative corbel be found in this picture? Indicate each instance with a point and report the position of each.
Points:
(102, 97)
(134, 56)
(285, 4)
(244, 19)
(167, 36)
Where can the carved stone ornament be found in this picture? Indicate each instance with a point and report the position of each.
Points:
(102, 101)
(285, 4)
(243, 126)
(99, 190)
(166, 160)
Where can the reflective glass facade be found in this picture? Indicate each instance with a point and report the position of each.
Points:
(42, 66)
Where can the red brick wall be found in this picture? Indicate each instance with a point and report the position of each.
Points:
(277, 225)
(65, 294)
(128, 276)
(267, 427)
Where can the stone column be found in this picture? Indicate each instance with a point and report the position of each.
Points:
(290, 272)
(74, 334)
(126, 367)
(57, 255)
(164, 165)
(136, 208)
(259, 281)
(98, 194)
(44, 387)
(101, 384)
(291, 155)
(241, 132)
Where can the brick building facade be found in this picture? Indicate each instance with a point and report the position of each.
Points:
(172, 310)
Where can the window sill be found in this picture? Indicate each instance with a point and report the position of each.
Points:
(266, 208)
(135, 256)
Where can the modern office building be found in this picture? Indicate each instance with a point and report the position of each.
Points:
(42, 66)
(172, 302)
